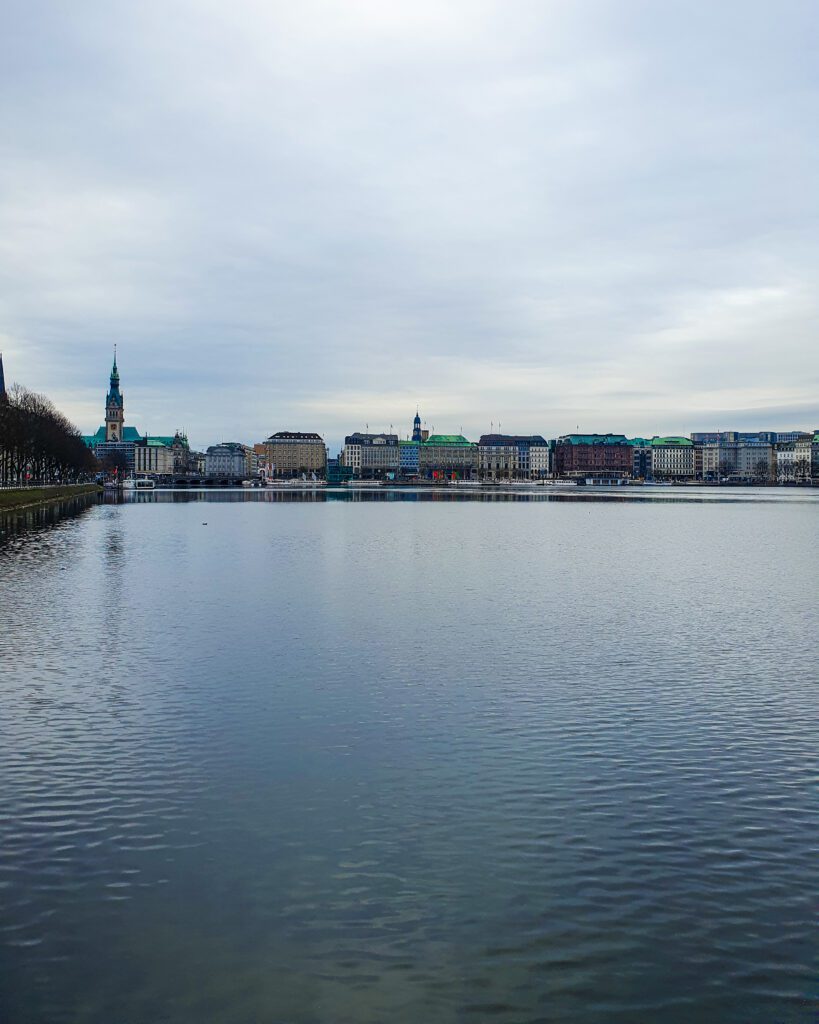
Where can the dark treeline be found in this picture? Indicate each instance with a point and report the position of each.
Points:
(38, 445)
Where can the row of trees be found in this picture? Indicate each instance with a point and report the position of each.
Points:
(38, 445)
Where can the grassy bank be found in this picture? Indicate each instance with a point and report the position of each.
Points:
(27, 496)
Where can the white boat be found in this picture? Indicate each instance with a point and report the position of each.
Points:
(141, 483)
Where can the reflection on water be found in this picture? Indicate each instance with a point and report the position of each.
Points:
(17, 522)
(280, 757)
(481, 494)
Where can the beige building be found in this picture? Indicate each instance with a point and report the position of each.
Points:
(738, 460)
(290, 453)
(513, 457)
(152, 457)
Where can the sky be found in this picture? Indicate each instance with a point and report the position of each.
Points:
(539, 216)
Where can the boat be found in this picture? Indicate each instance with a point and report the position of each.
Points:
(141, 483)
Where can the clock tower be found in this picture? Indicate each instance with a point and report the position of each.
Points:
(114, 406)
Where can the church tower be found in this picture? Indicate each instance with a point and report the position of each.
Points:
(114, 406)
(416, 427)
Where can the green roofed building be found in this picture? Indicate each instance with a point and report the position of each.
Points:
(447, 456)
(113, 443)
(125, 450)
(672, 458)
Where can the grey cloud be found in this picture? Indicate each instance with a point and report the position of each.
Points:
(314, 214)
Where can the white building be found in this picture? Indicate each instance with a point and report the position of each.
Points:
(672, 458)
(371, 455)
(794, 461)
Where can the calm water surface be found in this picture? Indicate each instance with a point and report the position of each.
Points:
(410, 760)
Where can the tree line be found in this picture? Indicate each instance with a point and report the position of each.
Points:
(38, 445)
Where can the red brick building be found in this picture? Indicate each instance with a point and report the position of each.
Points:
(601, 455)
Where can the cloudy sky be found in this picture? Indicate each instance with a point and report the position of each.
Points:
(316, 215)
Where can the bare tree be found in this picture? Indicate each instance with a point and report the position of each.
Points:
(38, 444)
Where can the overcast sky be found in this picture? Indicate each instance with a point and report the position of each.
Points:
(316, 216)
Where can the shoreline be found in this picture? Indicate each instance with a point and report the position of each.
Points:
(16, 500)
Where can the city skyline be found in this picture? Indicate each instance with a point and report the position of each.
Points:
(598, 216)
(399, 430)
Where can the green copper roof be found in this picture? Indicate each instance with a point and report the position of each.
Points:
(167, 441)
(671, 442)
(129, 434)
(453, 440)
(593, 439)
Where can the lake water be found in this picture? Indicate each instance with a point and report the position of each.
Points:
(406, 758)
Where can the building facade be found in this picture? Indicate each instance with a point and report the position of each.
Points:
(291, 453)
(152, 457)
(604, 456)
(795, 461)
(513, 457)
(371, 456)
(640, 458)
(672, 458)
(447, 456)
(749, 461)
(408, 458)
(230, 460)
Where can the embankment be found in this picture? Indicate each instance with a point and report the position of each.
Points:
(26, 497)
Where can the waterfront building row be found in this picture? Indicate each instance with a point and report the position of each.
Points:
(763, 456)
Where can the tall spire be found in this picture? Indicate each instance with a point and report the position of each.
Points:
(114, 406)
(416, 426)
(3, 395)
